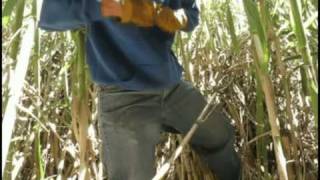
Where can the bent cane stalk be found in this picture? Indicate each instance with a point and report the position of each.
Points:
(210, 107)
(16, 90)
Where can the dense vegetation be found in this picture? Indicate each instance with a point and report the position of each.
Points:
(258, 57)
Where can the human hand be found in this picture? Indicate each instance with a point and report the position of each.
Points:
(138, 12)
(111, 8)
(171, 20)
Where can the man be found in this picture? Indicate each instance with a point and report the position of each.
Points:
(140, 88)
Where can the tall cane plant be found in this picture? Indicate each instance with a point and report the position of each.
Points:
(261, 61)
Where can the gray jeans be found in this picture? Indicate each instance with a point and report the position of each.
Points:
(130, 123)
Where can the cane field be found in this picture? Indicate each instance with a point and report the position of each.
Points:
(258, 58)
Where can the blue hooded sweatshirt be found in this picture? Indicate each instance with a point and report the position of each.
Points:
(132, 57)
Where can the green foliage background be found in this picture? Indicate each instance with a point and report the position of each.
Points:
(258, 56)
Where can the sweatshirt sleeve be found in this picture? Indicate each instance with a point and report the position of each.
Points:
(192, 12)
(61, 15)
